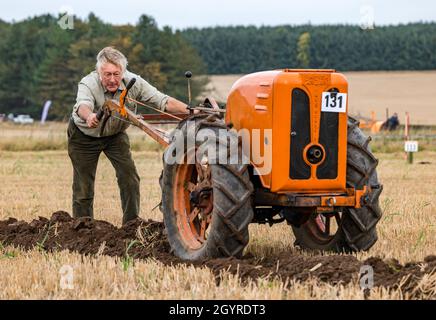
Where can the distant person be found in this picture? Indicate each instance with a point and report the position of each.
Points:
(393, 122)
(85, 144)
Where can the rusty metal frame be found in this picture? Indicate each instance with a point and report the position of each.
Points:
(158, 118)
(262, 197)
(353, 198)
(158, 135)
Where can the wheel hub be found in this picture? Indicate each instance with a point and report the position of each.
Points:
(195, 202)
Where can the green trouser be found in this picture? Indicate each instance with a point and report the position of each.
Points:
(84, 152)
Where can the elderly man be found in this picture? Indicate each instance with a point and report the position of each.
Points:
(86, 142)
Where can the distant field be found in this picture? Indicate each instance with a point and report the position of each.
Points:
(39, 183)
(36, 176)
(412, 91)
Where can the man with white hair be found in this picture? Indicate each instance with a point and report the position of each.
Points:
(86, 141)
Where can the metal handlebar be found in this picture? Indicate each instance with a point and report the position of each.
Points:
(123, 95)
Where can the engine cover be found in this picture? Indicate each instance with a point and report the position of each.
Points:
(306, 112)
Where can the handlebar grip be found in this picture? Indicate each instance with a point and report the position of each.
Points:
(130, 84)
(100, 114)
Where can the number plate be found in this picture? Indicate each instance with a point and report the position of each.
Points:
(411, 146)
(334, 102)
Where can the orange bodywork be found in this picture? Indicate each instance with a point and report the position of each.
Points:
(263, 101)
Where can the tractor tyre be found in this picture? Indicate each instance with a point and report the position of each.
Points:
(355, 227)
(206, 206)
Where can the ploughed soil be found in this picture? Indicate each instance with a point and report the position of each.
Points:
(143, 239)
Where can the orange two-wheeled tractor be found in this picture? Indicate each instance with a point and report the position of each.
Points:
(299, 159)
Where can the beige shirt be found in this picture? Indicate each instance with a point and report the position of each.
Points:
(92, 93)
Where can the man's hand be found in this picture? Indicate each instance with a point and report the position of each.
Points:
(92, 120)
(85, 113)
(176, 106)
(195, 111)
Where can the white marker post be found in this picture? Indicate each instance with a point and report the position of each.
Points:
(410, 147)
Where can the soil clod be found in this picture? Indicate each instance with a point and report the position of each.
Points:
(141, 239)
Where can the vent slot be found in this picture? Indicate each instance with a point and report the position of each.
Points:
(300, 134)
(328, 138)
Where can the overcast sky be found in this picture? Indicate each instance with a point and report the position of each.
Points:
(202, 13)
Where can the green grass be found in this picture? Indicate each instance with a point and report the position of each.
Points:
(53, 137)
(127, 261)
(18, 144)
(393, 141)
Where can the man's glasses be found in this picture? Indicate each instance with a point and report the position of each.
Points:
(109, 75)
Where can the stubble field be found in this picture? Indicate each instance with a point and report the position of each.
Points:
(103, 260)
(44, 254)
(398, 91)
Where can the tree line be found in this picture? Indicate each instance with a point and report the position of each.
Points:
(40, 61)
(243, 49)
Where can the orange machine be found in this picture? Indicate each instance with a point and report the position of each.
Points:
(374, 125)
(289, 103)
(312, 169)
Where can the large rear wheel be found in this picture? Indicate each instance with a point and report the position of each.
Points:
(351, 229)
(206, 204)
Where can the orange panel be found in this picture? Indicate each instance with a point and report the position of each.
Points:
(249, 106)
(263, 101)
